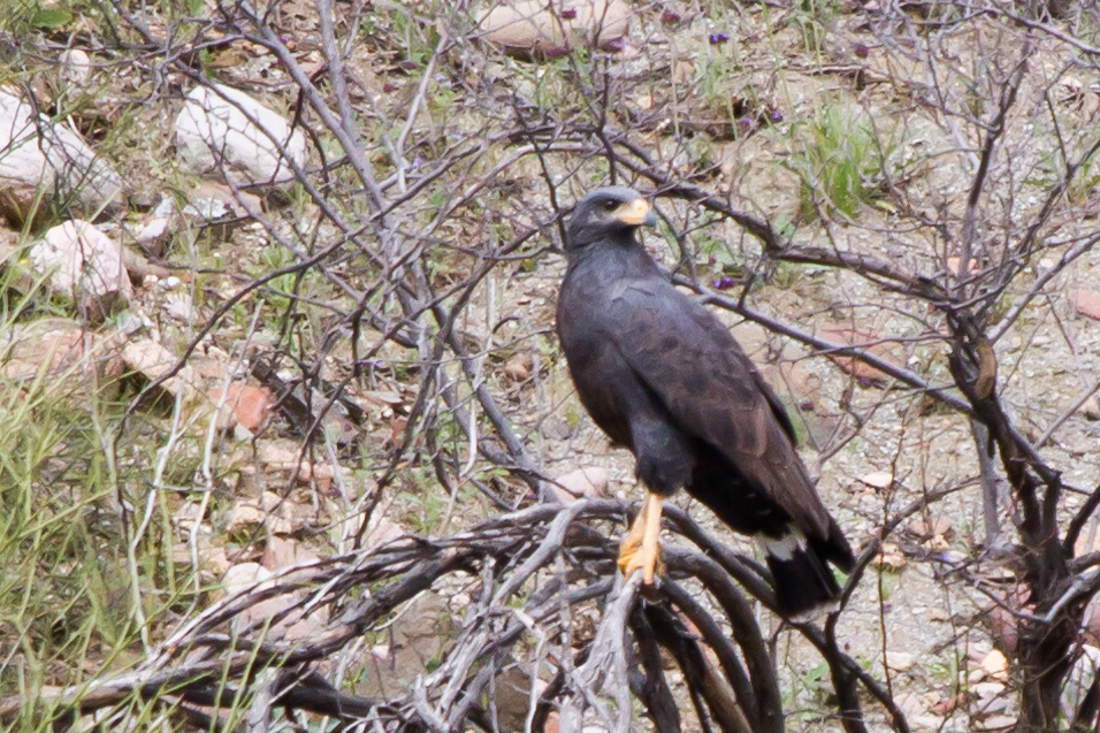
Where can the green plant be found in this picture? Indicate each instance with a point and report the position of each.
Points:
(839, 160)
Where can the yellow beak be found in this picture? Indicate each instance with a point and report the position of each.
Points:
(638, 214)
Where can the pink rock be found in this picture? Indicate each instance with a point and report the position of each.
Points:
(1085, 302)
(580, 483)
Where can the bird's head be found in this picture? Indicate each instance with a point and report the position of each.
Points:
(611, 214)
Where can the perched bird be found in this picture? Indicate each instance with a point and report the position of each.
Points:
(662, 376)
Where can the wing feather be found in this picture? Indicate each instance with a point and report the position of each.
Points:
(712, 390)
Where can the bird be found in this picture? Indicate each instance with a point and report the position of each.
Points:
(662, 376)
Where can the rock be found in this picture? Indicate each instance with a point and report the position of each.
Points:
(1085, 303)
(990, 706)
(997, 723)
(253, 577)
(878, 479)
(1090, 410)
(938, 613)
(954, 262)
(40, 157)
(271, 510)
(76, 68)
(926, 723)
(155, 230)
(281, 455)
(995, 666)
(282, 553)
(868, 342)
(420, 635)
(179, 305)
(986, 690)
(246, 405)
(890, 558)
(154, 361)
(580, 483)
(83, 263)
(518, 367)
(381, 530)
(214, 560)
(72, 357)
(535, 27)
(927, 528)
(213, 134)
(899, 661)
(152, 231)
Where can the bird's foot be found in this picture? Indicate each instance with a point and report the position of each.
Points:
(640, 549)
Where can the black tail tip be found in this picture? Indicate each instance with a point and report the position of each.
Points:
(803, 582)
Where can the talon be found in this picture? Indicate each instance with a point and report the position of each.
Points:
(641, 549)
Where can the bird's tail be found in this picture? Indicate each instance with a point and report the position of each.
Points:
(804, 581)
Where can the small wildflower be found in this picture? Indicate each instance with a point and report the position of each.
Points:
(569, 13)
(723, 283)
(407, 65)
(670, 17)
(775, 116)
(860, 50)
(716, 38)
(388, 87)
(711, 260)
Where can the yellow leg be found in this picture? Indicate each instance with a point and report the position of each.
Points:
(640, 547)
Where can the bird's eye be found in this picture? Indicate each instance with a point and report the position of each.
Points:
(610, 205)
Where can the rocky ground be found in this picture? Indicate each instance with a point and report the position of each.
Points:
(202, 268)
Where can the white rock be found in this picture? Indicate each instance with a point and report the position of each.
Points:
(81, 261)
(579, 483)
(878, 479)
(179, 306)
(987, 690)
(995, 665)
(214, 132)
(154, 361)
(37, 155)
(152, 230)
(538, 26)
(899, 661)
(76, 68)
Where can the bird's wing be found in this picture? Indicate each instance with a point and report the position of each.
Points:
(712, 390)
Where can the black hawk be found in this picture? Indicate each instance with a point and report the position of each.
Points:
(662, 376)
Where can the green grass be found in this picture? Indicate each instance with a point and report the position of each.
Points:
(839, 161)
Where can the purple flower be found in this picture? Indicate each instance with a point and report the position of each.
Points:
(387, 87)
(670, 17)
(569, 13)
(775, 116)
(716, 38)
(408, 65)
(723, 283)
(860, 50)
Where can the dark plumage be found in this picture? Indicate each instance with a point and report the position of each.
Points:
(662, 376)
